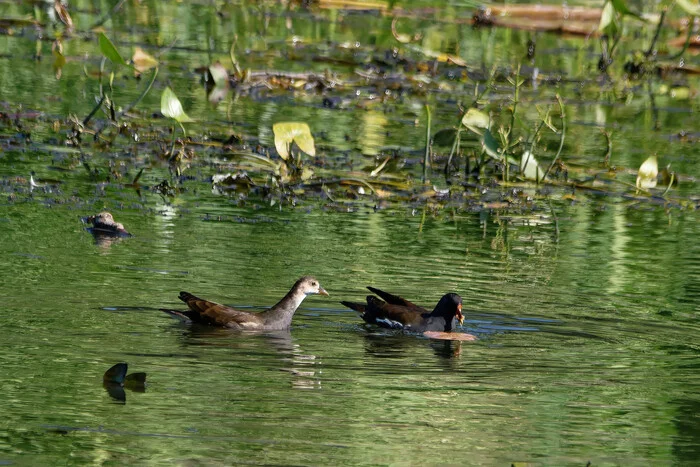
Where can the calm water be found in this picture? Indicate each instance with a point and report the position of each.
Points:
(587, 322)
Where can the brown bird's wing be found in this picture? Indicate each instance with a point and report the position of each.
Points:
(220, 315)
(396, 300)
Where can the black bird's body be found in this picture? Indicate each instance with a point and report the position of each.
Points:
(395, 312)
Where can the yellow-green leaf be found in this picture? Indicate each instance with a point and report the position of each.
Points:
(109, 50)
(474, 118)
(689, 6)
(288, 132)
(607, 17)
(170, 106)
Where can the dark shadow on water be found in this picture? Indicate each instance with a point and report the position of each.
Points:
(115, 380)
(686, 442)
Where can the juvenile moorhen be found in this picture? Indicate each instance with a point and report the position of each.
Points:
(103, 224)
(276, 318)
(398, 313)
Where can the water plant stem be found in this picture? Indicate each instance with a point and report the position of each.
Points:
(427, 144)
(143, 94)
(561, 139)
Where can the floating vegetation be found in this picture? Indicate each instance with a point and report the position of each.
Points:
(490, 138)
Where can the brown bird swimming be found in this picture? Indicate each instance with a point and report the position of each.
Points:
(276, 318)
(104, 224)
(398, 313)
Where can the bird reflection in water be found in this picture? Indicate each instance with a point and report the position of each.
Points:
(302, 366)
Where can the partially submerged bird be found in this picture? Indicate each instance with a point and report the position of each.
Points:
(115, 380)
(276, 318)
(398, 313)
(103, 224)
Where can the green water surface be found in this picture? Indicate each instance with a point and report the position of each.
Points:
(586, 309)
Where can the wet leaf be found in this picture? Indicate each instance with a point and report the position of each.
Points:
(143, 61)
(474, 118)
(170, 106)
(648, 171)
(109, 50)
(288, 132)
(529, 167)
(689, 6)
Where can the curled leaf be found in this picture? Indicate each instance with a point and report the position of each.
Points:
(648, 171)
(288, 132)
(474, 118)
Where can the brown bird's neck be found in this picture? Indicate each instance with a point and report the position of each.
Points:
(283, 311)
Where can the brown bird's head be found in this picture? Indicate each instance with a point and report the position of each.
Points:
(309, 285)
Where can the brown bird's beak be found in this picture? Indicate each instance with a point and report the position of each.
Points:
(460, 316)
(322, 291)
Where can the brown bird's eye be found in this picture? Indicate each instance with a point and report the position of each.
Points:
(313, 283)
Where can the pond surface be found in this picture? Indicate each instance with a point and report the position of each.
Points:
(585, 307)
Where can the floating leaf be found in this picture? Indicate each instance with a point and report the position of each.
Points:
(288, 132)
(689, 6)
(109, 50)
(529, 168)
(143, 61)
(648, 171)
(170, 106)
(474, 118)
